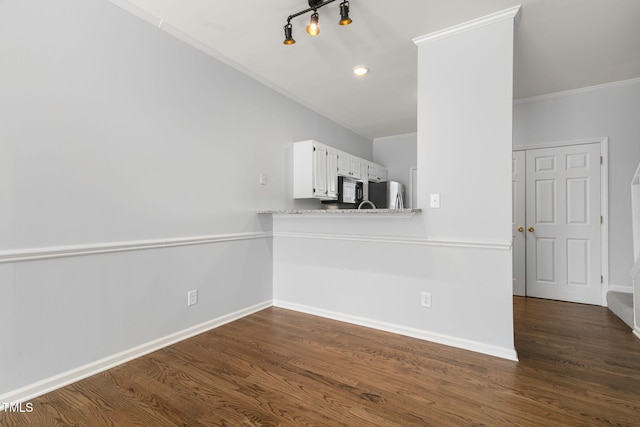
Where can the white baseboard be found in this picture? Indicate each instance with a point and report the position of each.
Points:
(636, 331)
(39, 388)
(502, 352)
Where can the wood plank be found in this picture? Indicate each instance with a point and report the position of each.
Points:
(579, 365)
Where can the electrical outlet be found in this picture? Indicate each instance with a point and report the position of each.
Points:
(262, 179)
(192, 297)
(425, 299)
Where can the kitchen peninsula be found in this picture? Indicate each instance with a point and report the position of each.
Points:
(397, 213)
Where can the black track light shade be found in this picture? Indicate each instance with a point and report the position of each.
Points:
(313, 29)
(288, 34)
(344, 14)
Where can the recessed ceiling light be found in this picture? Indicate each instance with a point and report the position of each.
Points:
(360, 71)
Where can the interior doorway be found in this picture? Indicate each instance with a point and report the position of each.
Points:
(559, 221)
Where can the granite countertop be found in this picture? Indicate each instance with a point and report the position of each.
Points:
(338, 212)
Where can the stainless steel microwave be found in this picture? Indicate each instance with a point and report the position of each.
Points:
(349, 190)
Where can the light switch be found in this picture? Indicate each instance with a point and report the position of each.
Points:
(435, 201)
(263, 179)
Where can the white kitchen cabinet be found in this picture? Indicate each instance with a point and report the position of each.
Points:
(382, 174)
(314, 171)
(373, 172)
(332, 173)
(355, 165)
(377, 173)
(364, 170)
(349, 165)
(344, 164)
(316, 168)
(320, 170)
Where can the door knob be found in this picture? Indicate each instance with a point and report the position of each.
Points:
(521, 229)
(531, 230)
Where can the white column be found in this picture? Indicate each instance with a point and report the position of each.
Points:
(465, 104)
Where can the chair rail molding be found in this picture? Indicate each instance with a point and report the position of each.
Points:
(34, 254)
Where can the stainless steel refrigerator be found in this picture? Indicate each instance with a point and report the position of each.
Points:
(387, 195)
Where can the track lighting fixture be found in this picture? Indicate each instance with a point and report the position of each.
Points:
(313, 29)
(288, 34)
(344, 13)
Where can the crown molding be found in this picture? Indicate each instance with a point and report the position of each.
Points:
(511, 13)
(587, 89)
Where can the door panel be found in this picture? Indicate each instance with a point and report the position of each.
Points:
(546, 201)
(546, 260)
(578, 262)
(578, 201)
(563, 223)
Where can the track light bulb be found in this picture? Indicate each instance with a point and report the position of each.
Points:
(288, 34)
(344, 14)
(313, 29)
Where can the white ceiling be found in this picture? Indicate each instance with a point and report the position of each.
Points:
(559, 45)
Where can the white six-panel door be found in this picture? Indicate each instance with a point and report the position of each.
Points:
(563, 223)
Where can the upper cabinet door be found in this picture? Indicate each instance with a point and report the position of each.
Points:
(350, 166)
(332, 173)
(344, 164)
(373, 172)
(320, 171)
(364, 170)
(382, 174)
(354, 167)
(377, 173)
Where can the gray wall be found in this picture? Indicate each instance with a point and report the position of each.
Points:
(114, 131)
(398, 153)
(610, 111)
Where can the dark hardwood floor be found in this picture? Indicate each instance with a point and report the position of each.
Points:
(579, 366)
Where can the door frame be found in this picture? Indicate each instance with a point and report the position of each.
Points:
(604, 198)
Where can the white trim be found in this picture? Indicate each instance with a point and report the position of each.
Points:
(395, 240)
(45, 386)
(502, 352)
(33, 254)
(197, 44)
(393, 137)
(636, 331)
(598, 140)
(511, 13)
(413, 187)
(578, 91)
(604, 211)
(624, 289)
(604, 198)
